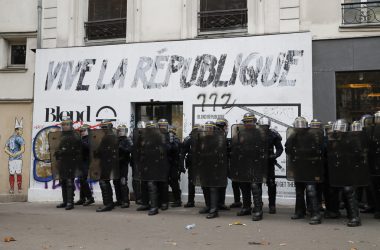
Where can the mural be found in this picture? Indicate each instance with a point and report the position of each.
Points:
(15, 148)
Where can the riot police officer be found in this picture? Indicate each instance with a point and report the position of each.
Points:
(375, 168)
(85, 194)
(223, 125)
(104, 152)
(175, 167)
(187, 158)
(274, 142)
(66, 177)
(292, 145)
(125, 150)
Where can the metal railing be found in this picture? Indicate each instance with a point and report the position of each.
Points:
(361, 13)
(106, 29)
(222, 20)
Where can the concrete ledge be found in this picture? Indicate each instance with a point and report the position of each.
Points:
(5, 198)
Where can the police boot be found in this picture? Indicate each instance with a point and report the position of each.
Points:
(82, 197)
(246, 192)
(272, 191)
(332, 203)
(117, 187)
(222, 199)
(105, 187)
(153, 197)
(124, 193)
(87, 194)
(190, 195)
(206, 195)
(214, 203)
(70, 194)
(144, 197)
(257, 211)
(352, 207)
(236, 191)
(314, 204)
(64, 194)
(300, 202)
(176, 194)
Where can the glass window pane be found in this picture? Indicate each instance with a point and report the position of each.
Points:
(104, 10)
(210, 5)
(18, 54)
(357, 93)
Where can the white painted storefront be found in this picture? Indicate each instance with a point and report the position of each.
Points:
(213, 78)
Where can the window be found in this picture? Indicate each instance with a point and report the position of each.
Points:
(357, 93)
(222, 15)
(17, 54)
(106, 19)
(360, 12)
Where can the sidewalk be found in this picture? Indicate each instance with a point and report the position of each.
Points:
(42, 226)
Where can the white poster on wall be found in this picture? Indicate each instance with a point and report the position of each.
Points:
(268, 75)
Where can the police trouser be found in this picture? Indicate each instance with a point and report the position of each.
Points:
(375, 186)
(221, 196)
(121, 185)
(67, 188)
(106, 189)
(256, 189)
(174, 180)
(84, 189)
(211, 196)
(351, 202)
(144, 192)
(190, 186)
(236, 191)
(311, 194)
(158, 193)
(271, 184)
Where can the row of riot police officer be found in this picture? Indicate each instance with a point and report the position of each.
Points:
(333, 161)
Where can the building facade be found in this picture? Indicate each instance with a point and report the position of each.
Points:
(344, 37)
(17, 59)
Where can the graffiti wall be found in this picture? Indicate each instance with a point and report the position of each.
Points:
(267, 75)
(15, 138)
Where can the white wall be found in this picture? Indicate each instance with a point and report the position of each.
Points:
(18, 15)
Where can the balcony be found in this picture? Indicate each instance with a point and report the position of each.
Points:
(222, 20)
(106, 29)
(361, 14)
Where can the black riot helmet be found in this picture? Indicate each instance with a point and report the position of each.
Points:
(151, 124)
(264, 121)
(163, 124)
(356, 126)
(341, 125)
(84, 129)
(122, 130)
(377, 117)
(366, 120)
(249, 118)
(67, 123)
(106, 124)
(210, 125)
(222, 124)
(315, 123)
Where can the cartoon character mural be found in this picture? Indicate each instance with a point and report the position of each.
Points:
(15, 148)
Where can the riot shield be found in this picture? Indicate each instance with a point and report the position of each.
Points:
(374, 151)
(209, 158)
(249, 153)
(151, 154)
(65, 154)
(104, 155)
(304, 155)
(348, 159)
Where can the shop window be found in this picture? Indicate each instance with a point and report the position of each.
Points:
(106, 19)
(357, 93)
(222, 15)
(360, 12)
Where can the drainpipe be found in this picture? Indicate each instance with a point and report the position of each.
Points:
(39, 27)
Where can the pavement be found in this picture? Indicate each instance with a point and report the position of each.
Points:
(42, 226)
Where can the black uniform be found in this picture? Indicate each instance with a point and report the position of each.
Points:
(187, 154)
(85, 193)
(175, 170)
(121, 185)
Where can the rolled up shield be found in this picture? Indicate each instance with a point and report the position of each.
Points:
(249, 153)
(348, 159)
(209, 158)
(150, 154)
(65, 154)
(104, 155)
(304, 155)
